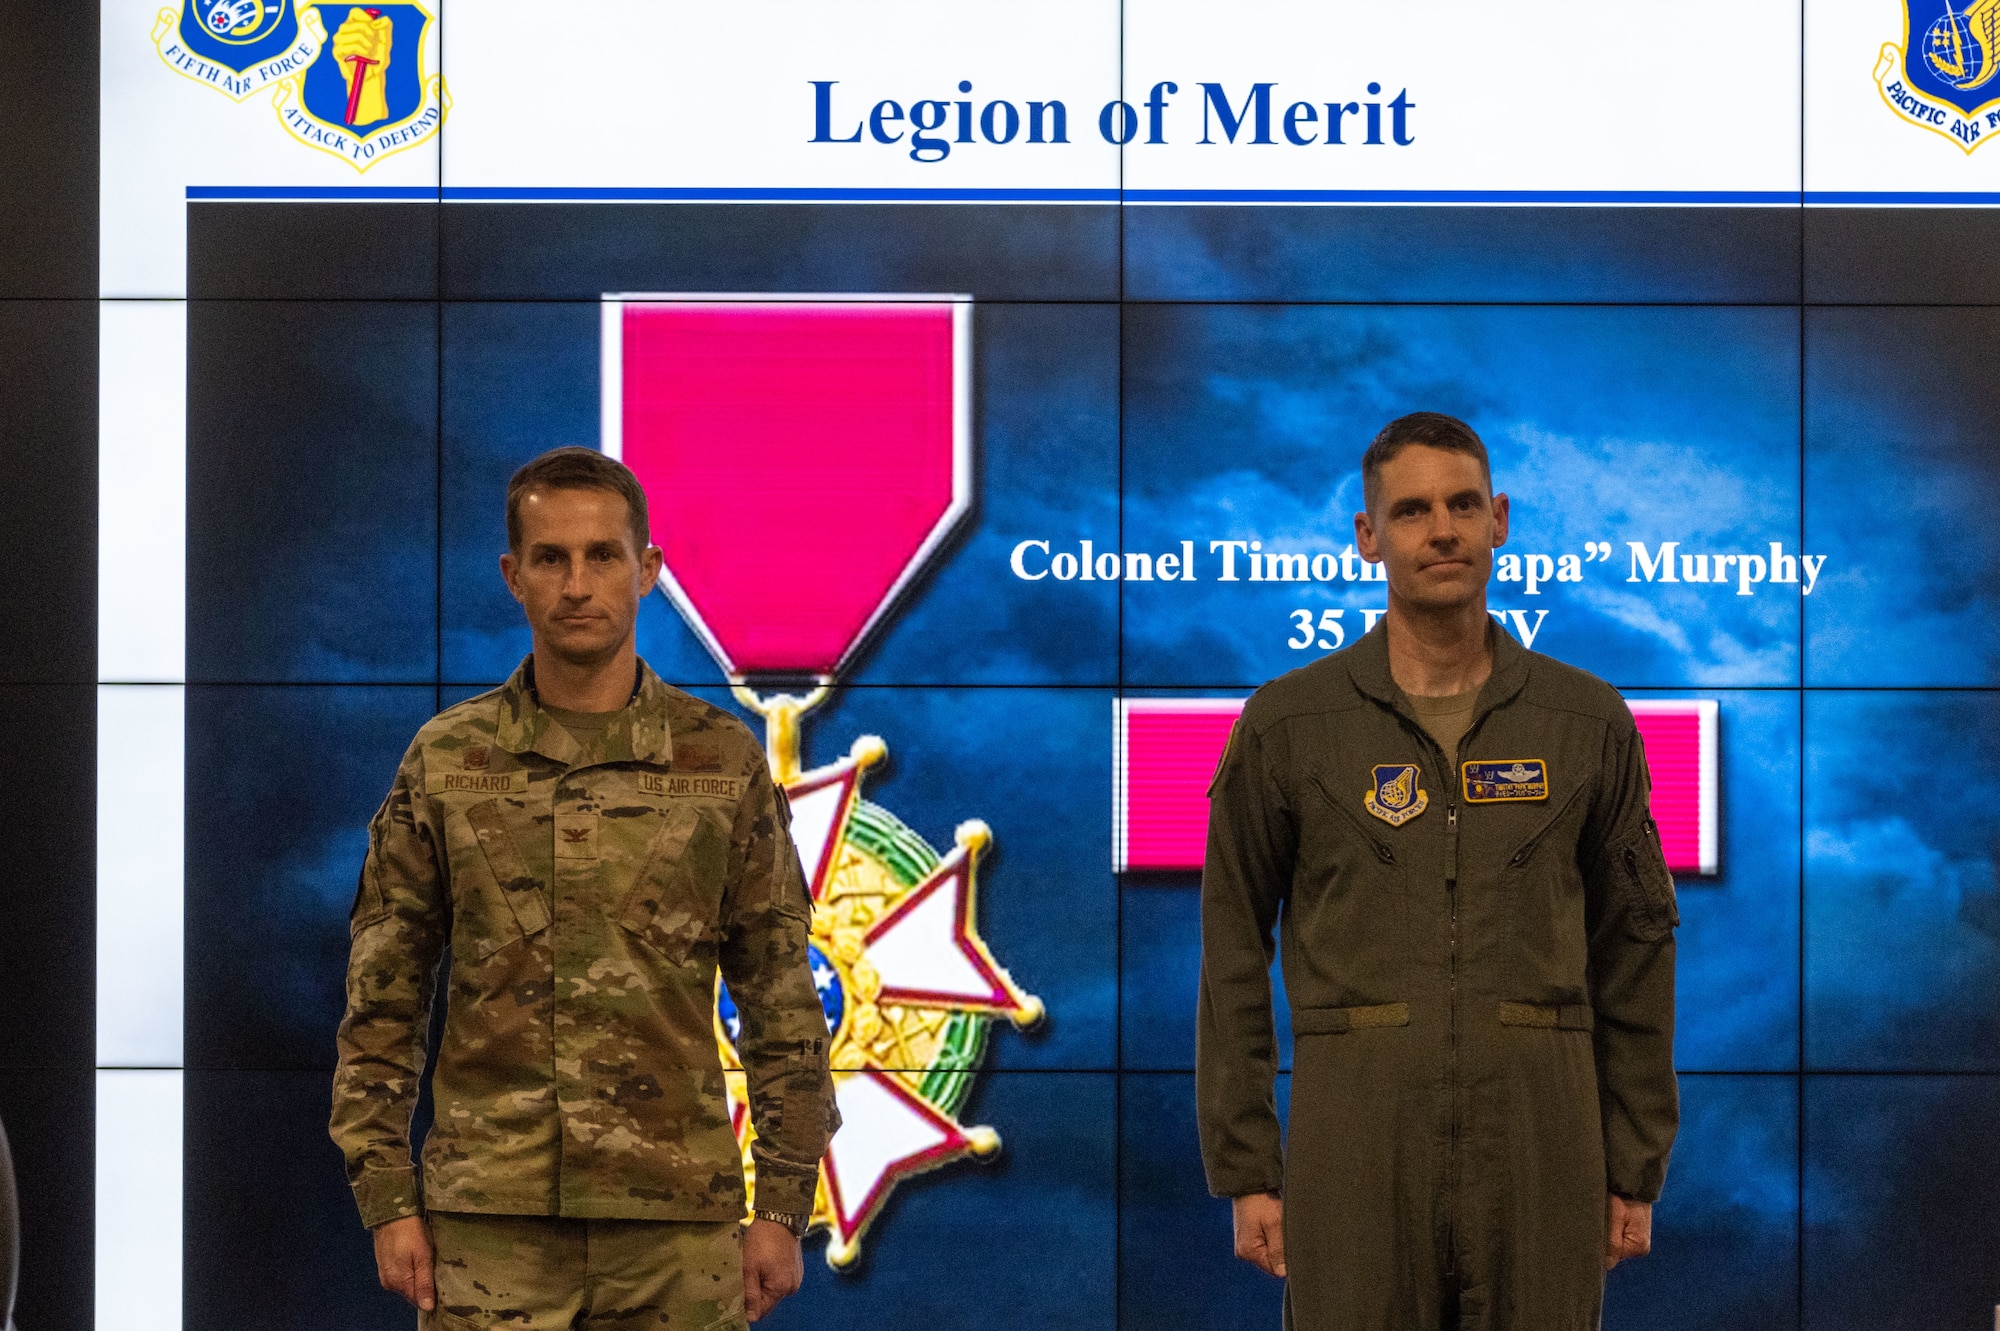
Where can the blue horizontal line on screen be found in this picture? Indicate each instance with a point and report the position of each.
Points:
(747, 194)
(347, 193)
(1947, 198)
(635, 194)
(1499, 196)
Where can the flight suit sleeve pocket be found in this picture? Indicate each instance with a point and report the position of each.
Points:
(503, 857)
(1654, 911)
(677, 896)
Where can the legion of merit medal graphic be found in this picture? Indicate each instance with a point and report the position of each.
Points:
(805, 459)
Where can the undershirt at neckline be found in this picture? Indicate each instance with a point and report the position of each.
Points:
(583, 727)
(1446, 717)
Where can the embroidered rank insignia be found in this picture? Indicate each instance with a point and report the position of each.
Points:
(1396, 798)
(1509, 779)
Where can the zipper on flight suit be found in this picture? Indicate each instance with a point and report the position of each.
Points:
(1451, 990)
(1451, 897)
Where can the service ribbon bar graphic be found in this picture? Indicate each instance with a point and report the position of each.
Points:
(1165, 750)
(805, 458)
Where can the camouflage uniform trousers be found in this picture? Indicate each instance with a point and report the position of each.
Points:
(540, 1273)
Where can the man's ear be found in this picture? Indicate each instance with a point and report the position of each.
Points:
(650, 564)
(1499, 520)
(509, 567)
(1364, 537)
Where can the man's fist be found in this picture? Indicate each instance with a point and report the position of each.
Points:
(1629, 1231)
(403, 1260)
(361, 49)
(1260, 1231)
(772, 1267)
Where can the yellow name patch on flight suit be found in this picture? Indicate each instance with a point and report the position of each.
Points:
(1505, 779)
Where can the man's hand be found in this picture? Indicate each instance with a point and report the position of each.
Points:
(403, 1260)
(1629, 1232)
(772, 1267)
(1260, 1231)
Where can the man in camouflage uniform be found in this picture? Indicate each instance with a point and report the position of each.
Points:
(593, 846)
(1450, 835)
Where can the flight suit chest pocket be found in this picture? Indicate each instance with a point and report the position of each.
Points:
(517, 886)
(675, 904)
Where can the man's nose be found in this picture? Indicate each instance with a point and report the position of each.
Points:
(1442, 531)
(574, 586)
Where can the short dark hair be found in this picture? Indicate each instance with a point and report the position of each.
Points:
(573, 468)
(1433, 429)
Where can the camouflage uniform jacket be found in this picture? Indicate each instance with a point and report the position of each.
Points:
(589, 897)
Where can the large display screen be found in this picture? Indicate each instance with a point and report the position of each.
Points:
(999, 378)
(1032, 535)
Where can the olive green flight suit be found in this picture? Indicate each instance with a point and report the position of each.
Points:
(1482, 992)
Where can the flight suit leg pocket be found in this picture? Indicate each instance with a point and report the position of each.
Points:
(676, 900)
(1654, 911)
(518, 886)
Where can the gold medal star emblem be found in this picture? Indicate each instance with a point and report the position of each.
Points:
(908, 985)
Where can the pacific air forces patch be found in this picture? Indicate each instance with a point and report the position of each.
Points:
(1397, 797)
(1505, 780)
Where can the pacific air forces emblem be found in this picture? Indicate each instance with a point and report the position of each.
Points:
(1945, 75)
(237, 47)
(1396, 797)
(366, 96)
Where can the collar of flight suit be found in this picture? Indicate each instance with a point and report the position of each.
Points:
(1368, 667)
(638, 733)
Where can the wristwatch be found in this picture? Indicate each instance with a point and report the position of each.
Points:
(796, 1223)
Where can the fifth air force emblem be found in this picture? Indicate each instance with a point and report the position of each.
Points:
(237, 47)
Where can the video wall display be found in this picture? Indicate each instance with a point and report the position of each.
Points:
(1045, 491)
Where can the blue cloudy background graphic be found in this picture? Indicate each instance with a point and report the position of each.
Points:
(1605, 424)
(1638, 374)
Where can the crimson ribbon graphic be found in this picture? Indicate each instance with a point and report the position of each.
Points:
(803, 459)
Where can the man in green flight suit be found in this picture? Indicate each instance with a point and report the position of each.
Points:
(1450, 835)
(593, 845)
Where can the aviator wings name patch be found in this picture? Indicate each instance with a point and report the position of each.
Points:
(1505, 780)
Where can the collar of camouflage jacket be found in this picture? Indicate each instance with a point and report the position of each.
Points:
(638, 733)
(1368, 667)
